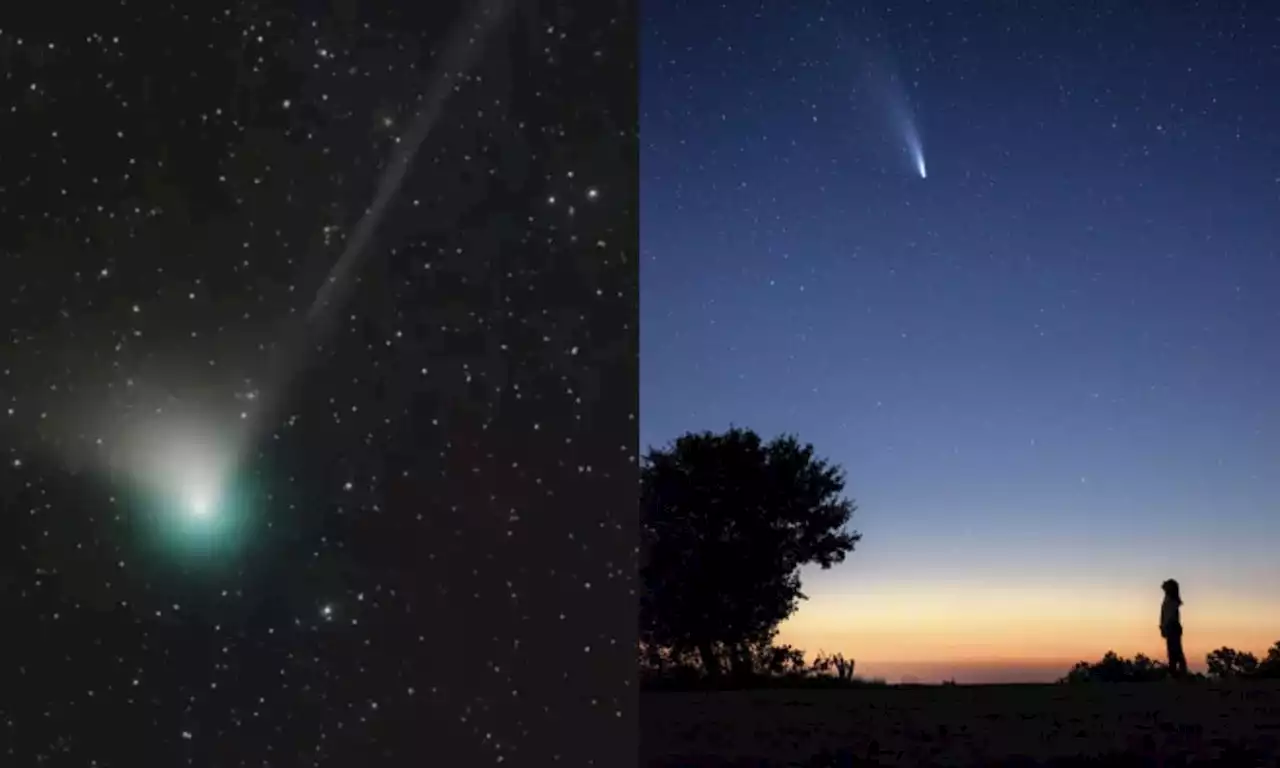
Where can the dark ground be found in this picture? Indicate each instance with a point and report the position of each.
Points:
(1141, 724)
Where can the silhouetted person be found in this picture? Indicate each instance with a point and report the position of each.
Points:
(1171, 628)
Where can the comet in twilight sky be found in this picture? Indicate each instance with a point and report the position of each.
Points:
(889, 98)
(904, 121)
(914, 148)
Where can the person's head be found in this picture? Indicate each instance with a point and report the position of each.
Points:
(1171, 589)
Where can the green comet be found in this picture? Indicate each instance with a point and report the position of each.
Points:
(199, 528)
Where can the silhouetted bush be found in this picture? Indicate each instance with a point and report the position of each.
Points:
(771, 666)
(1117, 669)
(1226, 663)
(1230, 664)
(834, 664)
(1269, 667)
(1223, 664)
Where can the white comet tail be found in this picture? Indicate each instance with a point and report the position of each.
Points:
(916, 151)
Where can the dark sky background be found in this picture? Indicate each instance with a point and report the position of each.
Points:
(1051, 367)
(412, 544)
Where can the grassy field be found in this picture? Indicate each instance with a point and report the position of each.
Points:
(1166, 723)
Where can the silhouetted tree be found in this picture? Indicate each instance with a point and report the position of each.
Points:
(1227, 663)
(727, 522)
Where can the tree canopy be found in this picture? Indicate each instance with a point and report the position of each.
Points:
(727, 521)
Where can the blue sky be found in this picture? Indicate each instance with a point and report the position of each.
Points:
(1055, 359)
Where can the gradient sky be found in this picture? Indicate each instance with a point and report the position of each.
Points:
(1051, 368)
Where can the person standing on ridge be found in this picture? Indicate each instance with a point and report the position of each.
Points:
(1171, 628)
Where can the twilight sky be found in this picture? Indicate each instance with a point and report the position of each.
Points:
(1050, 367)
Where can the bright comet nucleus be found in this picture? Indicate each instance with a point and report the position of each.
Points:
(181, 467)
(915, 149)
(200, 503)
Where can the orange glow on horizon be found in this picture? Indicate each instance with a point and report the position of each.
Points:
(1032, 633)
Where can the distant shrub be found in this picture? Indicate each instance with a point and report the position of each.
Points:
(835, 664)
(695, 680)
(1269, 667)
(1228, 664)
(761, 666)
(1114, 668)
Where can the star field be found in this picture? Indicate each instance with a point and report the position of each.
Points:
(318, 450)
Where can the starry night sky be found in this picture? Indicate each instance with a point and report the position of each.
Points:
(243, 525)
(1050, 367)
